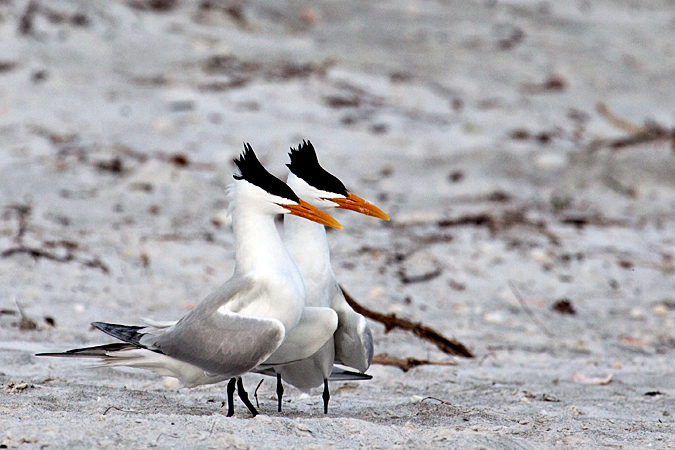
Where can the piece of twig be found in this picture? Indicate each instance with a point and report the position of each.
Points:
(637, 135)
(509, 218)
(26, 21)
(390, 321)
(25, 323)
(485, 356)
(618, 122)
(22, 212)
(443, 402)
(174, 436)
(118, 409)
(529, 312)
(36, 253)
(255, 394)
(583, 379)
(405, 364)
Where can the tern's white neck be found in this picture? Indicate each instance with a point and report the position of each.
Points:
(258, 244)
(262, 257)
(306, 241)
(259, 248)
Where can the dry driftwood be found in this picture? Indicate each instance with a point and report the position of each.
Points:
(390, 321)
(405, 364)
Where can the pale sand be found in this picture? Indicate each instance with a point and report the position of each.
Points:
(400, 99)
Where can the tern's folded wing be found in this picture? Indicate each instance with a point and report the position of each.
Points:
(353, 338)
(218, 340)
(228, 344)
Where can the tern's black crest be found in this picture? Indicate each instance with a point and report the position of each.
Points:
(304, 164)
(252, 171)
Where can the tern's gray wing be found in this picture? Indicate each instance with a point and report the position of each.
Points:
(353, 338)
(354, 342)
(218, 340)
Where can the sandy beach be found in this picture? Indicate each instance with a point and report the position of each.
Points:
(523, 150)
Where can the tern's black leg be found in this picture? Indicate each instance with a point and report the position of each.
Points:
(326, 395)
(243, 395)
(230, 397)
(280, 390)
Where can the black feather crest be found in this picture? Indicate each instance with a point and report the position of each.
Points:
(304, 164)
(252, 171)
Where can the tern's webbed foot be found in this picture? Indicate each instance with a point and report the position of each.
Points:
(326, 396)
(243, 395)
(230, 397)
(280, 390)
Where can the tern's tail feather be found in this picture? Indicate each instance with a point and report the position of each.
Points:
(130, 355)
(339, 374)
(100, 351)
(187, 374)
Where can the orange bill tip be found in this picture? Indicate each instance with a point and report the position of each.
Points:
(359, 205)
(307, 211)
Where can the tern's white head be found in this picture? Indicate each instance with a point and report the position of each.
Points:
(320, 188)
(255, 189)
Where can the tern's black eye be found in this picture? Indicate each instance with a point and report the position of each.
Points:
(304, 164)
(252, 171)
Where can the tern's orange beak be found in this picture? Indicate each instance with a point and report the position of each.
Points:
(359, 205)
(307, 211)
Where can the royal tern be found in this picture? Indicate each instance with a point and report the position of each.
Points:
(352, 343)
(243, 322)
